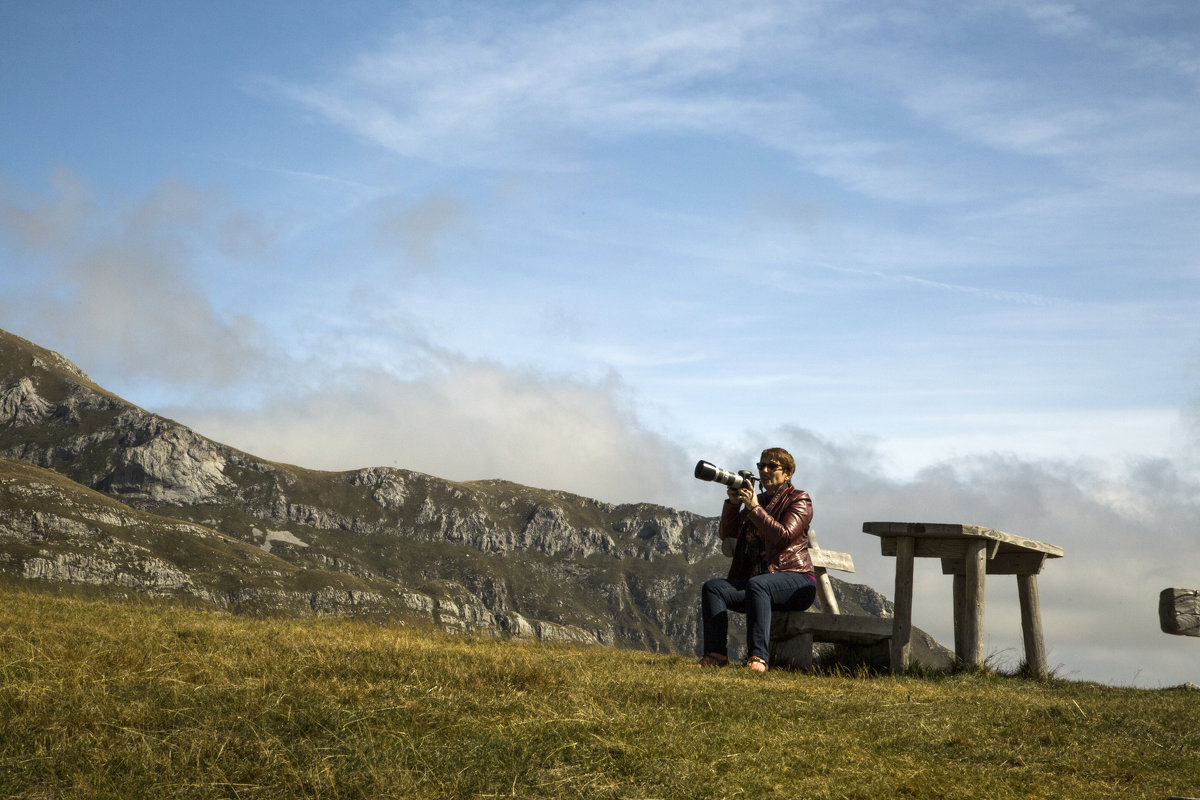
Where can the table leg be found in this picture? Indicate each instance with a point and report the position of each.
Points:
(973, 599)
(902, 621)
(1031, 625)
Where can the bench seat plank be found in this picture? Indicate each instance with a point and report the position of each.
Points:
(843, 628)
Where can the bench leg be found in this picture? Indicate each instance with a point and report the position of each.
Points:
(795, 651)
(1031, 625)
(804, 652)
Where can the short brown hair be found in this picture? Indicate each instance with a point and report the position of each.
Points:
(783, 457)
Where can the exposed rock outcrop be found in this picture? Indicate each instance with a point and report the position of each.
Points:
(20, 404)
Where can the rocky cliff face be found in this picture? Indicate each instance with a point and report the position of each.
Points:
(95, 490)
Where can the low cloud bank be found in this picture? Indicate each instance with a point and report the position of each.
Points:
(463, 420)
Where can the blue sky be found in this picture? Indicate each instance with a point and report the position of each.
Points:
(948, 254)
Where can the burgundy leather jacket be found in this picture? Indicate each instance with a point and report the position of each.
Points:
(772, 537)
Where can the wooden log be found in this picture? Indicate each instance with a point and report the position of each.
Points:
(902, 621)
(1031, 625)
(1179, 611)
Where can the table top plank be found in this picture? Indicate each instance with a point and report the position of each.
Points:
(939, 530)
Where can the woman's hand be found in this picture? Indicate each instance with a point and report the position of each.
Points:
(747, 496)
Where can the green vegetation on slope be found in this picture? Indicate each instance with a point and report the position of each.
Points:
(103, 698)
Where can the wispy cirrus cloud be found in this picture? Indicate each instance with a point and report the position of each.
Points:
(493, 88)
(467, 92)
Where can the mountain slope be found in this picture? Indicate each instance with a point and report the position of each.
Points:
(100, 491)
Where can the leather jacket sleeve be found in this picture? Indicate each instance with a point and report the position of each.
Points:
(731, 521)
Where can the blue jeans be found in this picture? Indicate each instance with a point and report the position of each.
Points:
(756, 598)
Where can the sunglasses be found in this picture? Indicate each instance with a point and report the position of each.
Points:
(764, 466)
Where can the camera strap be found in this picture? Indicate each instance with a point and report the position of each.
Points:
(777, 500)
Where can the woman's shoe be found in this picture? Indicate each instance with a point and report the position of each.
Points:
(713, 660)
(756, 664)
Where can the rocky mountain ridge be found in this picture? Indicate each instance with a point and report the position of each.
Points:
(96, 490)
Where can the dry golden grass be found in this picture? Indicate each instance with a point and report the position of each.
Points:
(136, 699)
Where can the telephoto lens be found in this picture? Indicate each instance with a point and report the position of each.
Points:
(734, 480)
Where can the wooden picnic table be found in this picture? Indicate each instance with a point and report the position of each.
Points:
(969, 553)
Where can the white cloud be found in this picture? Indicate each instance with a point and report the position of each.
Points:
(499, 87)
(462, 419)
(117, 287)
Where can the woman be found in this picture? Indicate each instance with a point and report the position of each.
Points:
(771, 567)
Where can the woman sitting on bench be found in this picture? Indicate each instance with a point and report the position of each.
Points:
(771, 567)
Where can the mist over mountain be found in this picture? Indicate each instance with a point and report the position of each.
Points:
(95, 490)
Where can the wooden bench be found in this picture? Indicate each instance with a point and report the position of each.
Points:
(794, 632)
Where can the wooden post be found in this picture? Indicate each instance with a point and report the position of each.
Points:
(1031, 625)
(902, 622)
(829, 603)
(973, 600)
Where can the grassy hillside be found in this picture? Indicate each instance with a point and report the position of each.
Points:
(104, 698)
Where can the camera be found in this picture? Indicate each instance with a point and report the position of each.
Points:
(734, 480)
